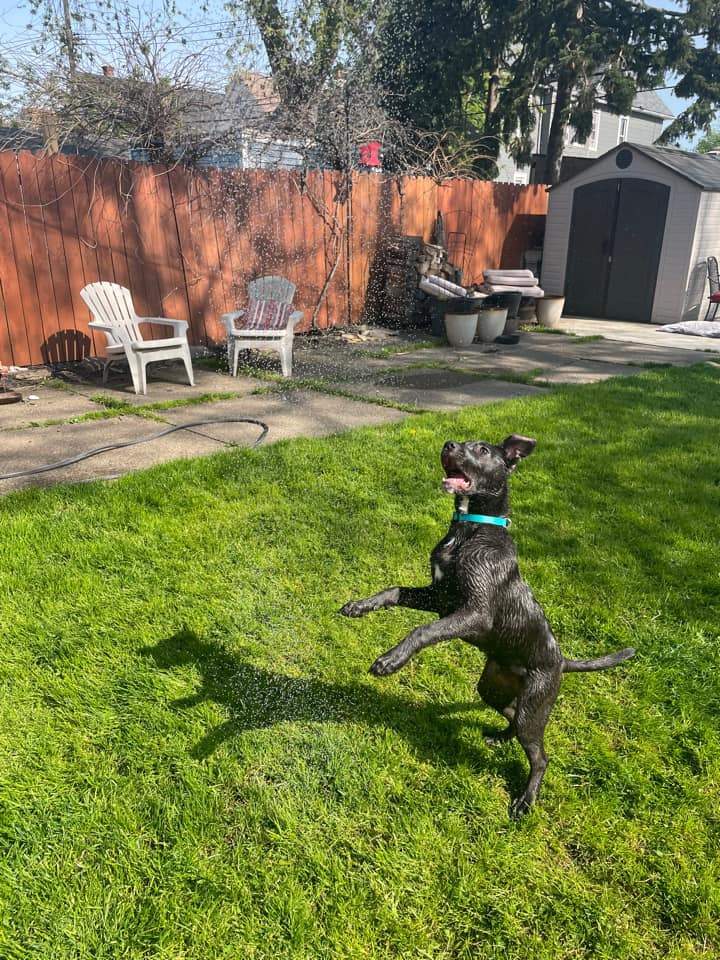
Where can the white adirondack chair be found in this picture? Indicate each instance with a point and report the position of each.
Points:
(113, 312)
(243, 338)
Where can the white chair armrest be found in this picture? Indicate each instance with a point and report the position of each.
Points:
(97, 325)
(259, 334)
(179, 326)
(228, 320)
(295, 319)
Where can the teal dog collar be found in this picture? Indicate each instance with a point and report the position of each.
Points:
(480, 518)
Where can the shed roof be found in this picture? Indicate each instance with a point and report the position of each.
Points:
(702, 169)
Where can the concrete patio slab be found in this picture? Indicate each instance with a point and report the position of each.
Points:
(647, 333)
(298, 413)
(441, 390)
(638, 354)
(52, 404)
(26, 449)
(586, 371)
(166, 383)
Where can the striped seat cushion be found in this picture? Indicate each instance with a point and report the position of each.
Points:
(266, 315)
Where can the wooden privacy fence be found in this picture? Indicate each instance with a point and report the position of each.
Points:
(187, 242)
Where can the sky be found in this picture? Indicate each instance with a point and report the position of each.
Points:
(14, 20)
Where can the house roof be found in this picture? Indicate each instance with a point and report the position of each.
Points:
(23, 138)
(250, 99)
(647, 101)
(702, 169)
(262, 88)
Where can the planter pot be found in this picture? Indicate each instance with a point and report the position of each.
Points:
(511, 326)
(527, 315)
(460, 328)
(437, 320)
(550, 310)
(491, 323)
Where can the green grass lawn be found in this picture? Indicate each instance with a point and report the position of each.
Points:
(196, 765)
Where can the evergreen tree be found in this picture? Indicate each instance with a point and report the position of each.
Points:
(710, 142)
(692, 50)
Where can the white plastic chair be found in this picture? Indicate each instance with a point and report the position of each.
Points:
(239, 338)
(113, 311)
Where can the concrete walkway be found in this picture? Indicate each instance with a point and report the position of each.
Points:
(648, 334)
(337, 385)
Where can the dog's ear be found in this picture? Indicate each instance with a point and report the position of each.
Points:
(515, 448)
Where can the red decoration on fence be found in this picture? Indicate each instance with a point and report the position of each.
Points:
(370, 154)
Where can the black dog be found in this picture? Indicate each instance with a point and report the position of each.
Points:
(480, 597)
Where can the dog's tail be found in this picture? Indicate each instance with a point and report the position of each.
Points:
(600, 663)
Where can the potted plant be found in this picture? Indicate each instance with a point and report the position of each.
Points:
(491, 323)
(549, 310)
(461, 320)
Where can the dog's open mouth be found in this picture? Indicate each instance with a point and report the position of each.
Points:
(456, 482)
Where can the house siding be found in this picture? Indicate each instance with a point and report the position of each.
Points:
(706, 244)
(506, 166)
(670, 291)
(641, 129)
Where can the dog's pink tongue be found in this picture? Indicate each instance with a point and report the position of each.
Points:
(455, 484)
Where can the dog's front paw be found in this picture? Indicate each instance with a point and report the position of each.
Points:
(521, 806)
(355, 608)
(386, 664)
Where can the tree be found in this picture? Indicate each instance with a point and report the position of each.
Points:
(306, 42)
(580, 49)
(692, 43)
(710, 142)
(156, 99)
(438, 63)
(481, 67)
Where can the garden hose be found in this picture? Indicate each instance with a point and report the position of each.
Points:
(46, 468)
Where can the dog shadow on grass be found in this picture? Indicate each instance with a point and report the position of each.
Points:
(255, 698)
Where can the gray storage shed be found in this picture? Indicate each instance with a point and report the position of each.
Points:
(628, 237)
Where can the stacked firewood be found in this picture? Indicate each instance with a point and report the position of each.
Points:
(400, 258)
(405, 260)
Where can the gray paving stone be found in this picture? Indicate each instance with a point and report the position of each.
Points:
(298, 413)
(587, 371)
(166, 383)
(24, 449)
(53, 404)
(442, 390)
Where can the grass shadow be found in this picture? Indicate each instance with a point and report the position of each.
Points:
(255, 698)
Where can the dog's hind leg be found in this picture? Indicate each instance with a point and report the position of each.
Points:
(531, 716)
(499, 688)
(416, 598)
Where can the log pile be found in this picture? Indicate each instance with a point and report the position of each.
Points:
(405, 260)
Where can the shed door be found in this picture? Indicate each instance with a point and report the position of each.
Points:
(614, 249)
(588, 263)
(637, 244)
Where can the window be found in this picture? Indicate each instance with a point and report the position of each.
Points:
(623, 129)
(591, 143)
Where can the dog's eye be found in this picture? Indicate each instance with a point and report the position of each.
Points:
(481, 449)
